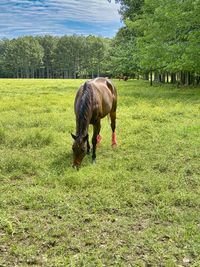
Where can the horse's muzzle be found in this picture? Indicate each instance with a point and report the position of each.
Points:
(76, 166)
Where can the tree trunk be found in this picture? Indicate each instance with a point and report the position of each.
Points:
(187, 78)
(151, 78)
(146, 76)
(47, 72)
(65, 74)
(27, 73)
(191, 79)
(173, 78)
(182, 78)
(21, 71)
(156, 76)
(32, 73)
(163, 77)
(197, 80)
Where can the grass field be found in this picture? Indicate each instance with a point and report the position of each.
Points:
(138, 206)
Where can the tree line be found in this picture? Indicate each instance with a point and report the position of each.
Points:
(53, 57)
(160, 41)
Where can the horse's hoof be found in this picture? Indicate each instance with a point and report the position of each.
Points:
(94, 161)
(114, 145)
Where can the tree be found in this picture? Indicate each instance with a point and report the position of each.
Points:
(67, 56)
(130, 9)
(22, 56)
(48, 44)
(94, 56)
(123, 53)
(167, 36)
(48, 56)
(168, 39)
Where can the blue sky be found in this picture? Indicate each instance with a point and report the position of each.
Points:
(58, 17)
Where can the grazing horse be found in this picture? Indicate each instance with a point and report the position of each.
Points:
(94, 100)
(123, 77)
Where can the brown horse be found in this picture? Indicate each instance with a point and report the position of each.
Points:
(123, 77)
(94, 100)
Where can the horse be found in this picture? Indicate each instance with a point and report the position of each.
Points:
(123, 77)
(94, 100)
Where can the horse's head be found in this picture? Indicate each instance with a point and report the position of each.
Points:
(79, 148)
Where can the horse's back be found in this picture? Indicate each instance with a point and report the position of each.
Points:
(102, 95)
(105, 94)
(104, 82)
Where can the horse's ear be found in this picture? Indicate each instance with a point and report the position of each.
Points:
(85, 137)
(73, 136)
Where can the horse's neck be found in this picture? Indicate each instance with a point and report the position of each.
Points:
(83, 114)
(81, 128)
(82, 123)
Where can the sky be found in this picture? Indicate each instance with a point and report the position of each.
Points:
(58, 17)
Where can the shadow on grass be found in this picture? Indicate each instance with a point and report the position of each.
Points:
(161, 92)
(15, 166)
(61, 162)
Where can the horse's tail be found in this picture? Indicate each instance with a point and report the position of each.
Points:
(85, 86)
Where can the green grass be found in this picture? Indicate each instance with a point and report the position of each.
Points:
(138, 206)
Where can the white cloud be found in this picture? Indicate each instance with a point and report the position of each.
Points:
(58, 17)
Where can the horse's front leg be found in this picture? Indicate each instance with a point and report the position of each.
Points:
(96, 131)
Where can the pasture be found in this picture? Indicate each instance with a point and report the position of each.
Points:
(138, 206)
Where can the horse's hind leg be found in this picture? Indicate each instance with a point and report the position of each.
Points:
(113, 126)
(98, 138)
(96, 131)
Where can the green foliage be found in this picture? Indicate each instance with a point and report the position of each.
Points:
(130, 8)
(22, 56)
(167, 37)
(50, 57)
(79, 56)
(138, 206)
(48, 44)
(123, 53)
(156, 37)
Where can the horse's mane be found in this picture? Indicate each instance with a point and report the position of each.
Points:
(84, 107)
